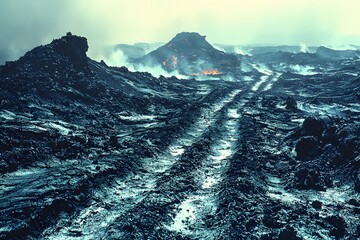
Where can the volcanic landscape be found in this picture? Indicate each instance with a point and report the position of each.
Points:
(263, 145)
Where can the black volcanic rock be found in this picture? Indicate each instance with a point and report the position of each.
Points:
(291, 103)
(73, 47)
(310, 179)
(190, 41)
(191, 54)
(48, 69)
(307, 147)
(58, 85)
(313, 126)
(339, 226)
(62, 56)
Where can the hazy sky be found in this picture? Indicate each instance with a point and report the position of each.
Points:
(25, 24)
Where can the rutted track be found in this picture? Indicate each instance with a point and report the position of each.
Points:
(148, 195)
(112, 202)
(191, 215)
(152, 203)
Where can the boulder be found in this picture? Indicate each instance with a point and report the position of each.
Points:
(310, 179)
(338, 226)
(288, 233)
(307, 147)
(291, 103)
(313, 126)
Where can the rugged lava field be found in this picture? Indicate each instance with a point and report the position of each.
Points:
(89, 151)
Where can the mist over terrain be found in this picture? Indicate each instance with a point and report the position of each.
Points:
(26, 24)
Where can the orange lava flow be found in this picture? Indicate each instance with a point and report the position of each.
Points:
(209, 72)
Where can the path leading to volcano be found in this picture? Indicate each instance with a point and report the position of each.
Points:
(190, 215)
(130, 196)
(111, 202)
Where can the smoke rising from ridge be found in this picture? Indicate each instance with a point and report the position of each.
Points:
(117, 59)
(26, 24)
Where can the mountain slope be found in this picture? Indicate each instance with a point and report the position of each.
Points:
(191, 54)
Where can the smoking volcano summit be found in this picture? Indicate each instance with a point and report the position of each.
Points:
(190, 54)
(89, 151)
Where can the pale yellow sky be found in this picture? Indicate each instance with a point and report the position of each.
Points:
(227, 21)
(25, 24)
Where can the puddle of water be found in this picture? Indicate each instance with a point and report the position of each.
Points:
(333, 195)
(204, 89)
(26, 172)
(190, 212)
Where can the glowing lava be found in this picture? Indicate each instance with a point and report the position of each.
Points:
(209, 72)
(173, 62)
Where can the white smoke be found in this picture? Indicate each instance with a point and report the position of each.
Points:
(262, 68)
(118, 59)
(242, 51)
(219, 47)
(245, 67)
(303, 48)
(156, 71)
(233, 49)
(303, 70)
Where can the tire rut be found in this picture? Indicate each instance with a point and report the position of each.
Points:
(110, 203)
(186, 215)
(195, 216)
(191, 215)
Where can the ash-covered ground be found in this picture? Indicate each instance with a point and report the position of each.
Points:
(89, 151)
